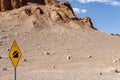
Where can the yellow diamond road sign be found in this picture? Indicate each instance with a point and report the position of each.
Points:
(15, 54)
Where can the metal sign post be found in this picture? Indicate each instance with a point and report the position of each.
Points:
(15, 74)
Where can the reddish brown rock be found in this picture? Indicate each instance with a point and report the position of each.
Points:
(56, 11)
(12, 4)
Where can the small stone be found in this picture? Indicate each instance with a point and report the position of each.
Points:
(101, 73)
(25, 60)
(7, 50)
(0, 57)
(53, 67)
(0, 43)
(117, 70)
(68, 57)
(4, 69)
(2, 30)
(4, 37)
(117, 60)
(89, 56)
(46, 53)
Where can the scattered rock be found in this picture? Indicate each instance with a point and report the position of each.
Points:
(114, 70)
(24, 60)
(89, 56)
(2, 30)
(101, 73)
(0, 43)
(117, 70)
(115, 35)
(117, 60)
(7, 50)
(53, 67)
(1, 57)
(46, 53)
(4, 37)
(4, 69)
(68, 57)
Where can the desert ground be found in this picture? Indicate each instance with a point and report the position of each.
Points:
(57, 50)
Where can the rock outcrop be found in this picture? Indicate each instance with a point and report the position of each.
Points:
(62, 11)
(87, 21)
(55, 11)
(12, 4)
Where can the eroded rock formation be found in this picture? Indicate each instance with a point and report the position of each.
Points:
(54, 10)
(12, 4)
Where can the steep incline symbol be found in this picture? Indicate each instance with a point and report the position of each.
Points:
(15, 54)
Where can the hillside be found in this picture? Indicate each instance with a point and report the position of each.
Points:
(55, 44)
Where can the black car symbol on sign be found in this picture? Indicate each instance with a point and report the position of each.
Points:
(15, 54)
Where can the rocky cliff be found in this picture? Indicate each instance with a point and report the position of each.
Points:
(12, 4)
(54, 10)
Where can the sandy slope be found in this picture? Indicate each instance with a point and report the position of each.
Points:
(94, 55)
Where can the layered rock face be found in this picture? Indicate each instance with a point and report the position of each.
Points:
(12, 4)
(5, 5)
(54, 10)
